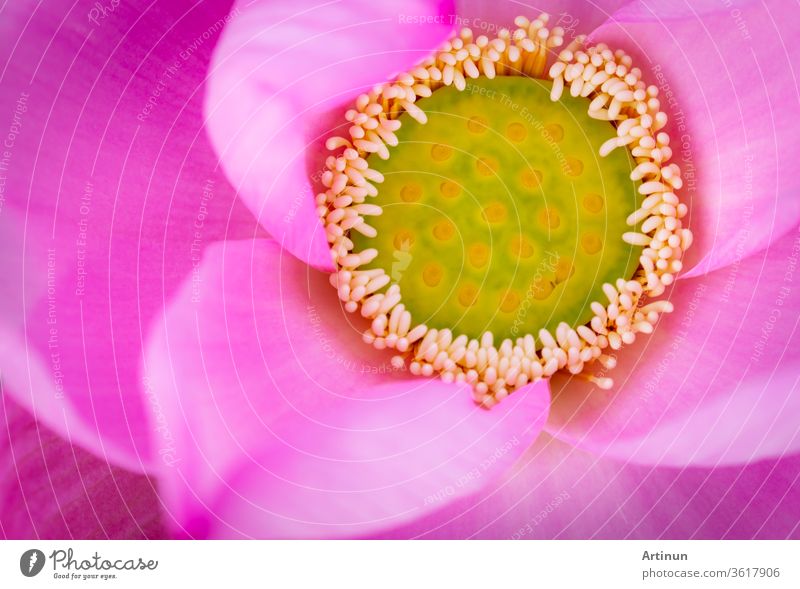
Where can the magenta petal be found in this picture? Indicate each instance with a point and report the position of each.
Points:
(277, 72)
(111, 192)
(276, 420)
(716, 382)
(726, 81)
(558, 492)
(54, 490)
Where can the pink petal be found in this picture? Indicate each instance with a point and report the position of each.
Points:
(278, 71)
(726, 77)
(50, 489)
(103, 209)
(717, 381)
(413, 448)
(276, 420)
(576, 17)
(558, 492)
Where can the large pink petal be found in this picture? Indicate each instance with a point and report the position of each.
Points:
(110, 191)
(277, 72)
(276, 420)
(728, 81)
(51, 489)
(558, 492)
(716, 383)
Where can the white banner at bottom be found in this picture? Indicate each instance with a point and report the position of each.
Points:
(400, 564)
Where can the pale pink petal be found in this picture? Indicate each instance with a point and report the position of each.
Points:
(717, 381)
(407, 452)
(276, 420)
(728, 82)
(110, 191)
(757, 419)
(280, 71)
(50, 489)
(558, 492)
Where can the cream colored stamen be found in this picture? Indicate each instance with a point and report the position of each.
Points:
(615, 92)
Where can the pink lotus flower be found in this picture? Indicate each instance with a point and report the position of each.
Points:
(173, 318)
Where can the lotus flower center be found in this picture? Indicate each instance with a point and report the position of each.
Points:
(498, 213)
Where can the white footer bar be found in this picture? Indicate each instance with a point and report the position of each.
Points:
(400, 564)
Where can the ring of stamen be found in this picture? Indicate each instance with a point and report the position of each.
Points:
(614, 92)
